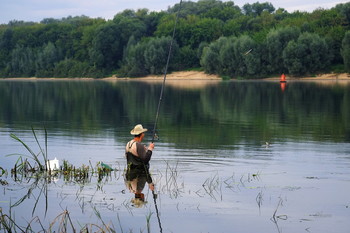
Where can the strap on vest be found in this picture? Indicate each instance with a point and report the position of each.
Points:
(129, 146)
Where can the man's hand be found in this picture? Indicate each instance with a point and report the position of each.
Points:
(151, 146)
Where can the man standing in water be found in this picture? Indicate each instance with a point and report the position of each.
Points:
(138, 157)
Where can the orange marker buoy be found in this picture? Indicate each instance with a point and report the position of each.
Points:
(283, 78)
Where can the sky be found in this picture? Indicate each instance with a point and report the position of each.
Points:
(36, 10)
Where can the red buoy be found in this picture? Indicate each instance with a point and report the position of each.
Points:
(283, 78)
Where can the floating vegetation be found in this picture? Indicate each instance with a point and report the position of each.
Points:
(3, 172)
(35, 172)
(40, 164)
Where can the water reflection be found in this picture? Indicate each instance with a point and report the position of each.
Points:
(135, 181)
(255, 111)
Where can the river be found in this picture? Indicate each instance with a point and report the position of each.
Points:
(232, 156)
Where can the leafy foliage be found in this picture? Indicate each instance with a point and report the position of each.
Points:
(346, 51)
(147, 57)
(135, 43)
(308, 54)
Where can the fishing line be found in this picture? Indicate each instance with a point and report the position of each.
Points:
(165, 72)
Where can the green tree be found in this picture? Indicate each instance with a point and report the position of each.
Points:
(233, 57)
(84, 43)
(210, 60)
(236, 27)
(187, 58)
(105, 51)
(22, 62)
(6, 45)
(308, 54)
(247, 55)
(192, 30)
(134, 60)
(344, 9)
(47, 57)
(227, 57)
(345, 51)
(156, 54)
(147, 57)
(257, 8)
(128, 25)
(276, 42)
(74, 68)
(205, 30)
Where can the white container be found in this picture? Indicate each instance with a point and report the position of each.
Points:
(53, 164)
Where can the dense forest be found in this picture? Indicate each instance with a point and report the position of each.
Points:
(218, 37)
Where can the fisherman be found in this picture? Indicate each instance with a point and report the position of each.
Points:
(138, 157)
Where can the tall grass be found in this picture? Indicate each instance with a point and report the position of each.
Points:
(40, 165)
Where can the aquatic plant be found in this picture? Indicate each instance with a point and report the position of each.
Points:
(213, 185)
(2, 172)
(39, 165)
(7, 223)
(259, 199)
(276, 217)
(61, 223)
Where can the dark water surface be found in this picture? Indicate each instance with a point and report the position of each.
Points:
(212, 168)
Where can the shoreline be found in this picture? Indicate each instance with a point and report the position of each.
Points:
(197, 76)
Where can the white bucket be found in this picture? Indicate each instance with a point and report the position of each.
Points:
(53, 164)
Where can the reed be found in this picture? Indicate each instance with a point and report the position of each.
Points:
(39, 164)
(276, 217)
(3, 172)
(105, 227)
(61, 223)
(171, 180)
(259, 200)
(148, 219)
(213, 186)
(33, 169)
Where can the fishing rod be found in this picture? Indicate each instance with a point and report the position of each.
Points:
(160, 101)
(157, 212)
(165, 73)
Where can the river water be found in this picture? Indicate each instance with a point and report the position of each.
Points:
(235, 156)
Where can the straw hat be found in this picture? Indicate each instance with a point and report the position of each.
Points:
(138, 129)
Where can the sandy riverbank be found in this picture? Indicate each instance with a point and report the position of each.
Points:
(179, 75)
(200, 75)
(195, 75)
(199, 79)
(331, 76)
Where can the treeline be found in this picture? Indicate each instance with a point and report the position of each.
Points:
(221, 38)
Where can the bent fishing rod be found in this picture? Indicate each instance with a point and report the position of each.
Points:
(165, 72)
